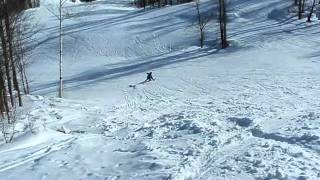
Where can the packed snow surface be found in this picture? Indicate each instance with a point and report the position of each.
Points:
(251, 111)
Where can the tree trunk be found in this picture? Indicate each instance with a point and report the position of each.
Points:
(300, 9)
(20, 58)
(6, 60)
(4, 100)
(200, 23)
(27, 83)
(223, 23)
(201, 38)
(9, 33)
(60, 67)
(311, 11)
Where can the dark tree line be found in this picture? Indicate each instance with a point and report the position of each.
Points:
(312, 10)
(302, 6)
(202, 20)
(14, 34)
(222, 22)
(158, 3)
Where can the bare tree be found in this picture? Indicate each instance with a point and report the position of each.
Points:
(8, 123)
(223, 23)
(7, 25)
(301, 5)
(61, 2)
(60, 16)
(202, 23)
(24, 33)
(11, 59)
(62, 12)
(311, 11)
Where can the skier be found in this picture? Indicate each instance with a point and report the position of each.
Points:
(149, 77)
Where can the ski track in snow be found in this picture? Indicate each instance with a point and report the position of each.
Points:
(33, 156)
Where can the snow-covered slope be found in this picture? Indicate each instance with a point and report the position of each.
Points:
(248, 112)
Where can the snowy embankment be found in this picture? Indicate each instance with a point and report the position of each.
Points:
(249, 112)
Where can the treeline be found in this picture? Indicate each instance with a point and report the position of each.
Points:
(16, 6)
(83, 0)
(15, 34)
(306, 5)
(158, 3)
(222, 19)
(202, 20)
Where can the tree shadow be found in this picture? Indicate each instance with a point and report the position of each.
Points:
(98, 24)
(94, 76)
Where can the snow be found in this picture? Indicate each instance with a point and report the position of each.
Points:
(248, 112)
